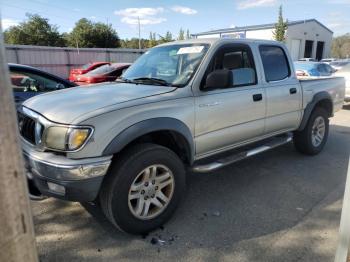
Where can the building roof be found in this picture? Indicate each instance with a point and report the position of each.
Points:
(259, 27)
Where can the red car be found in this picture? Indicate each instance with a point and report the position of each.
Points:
(105, 73)
(74, 73)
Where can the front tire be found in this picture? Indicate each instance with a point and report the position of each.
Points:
(313, 137)
(143, 188)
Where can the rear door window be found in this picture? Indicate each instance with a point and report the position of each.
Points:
(275, 63)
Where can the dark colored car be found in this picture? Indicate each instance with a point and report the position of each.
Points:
(28, 81)
(314, 69)
(105, 73)
(76, 72)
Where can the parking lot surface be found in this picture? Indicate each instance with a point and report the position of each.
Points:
(277, 206)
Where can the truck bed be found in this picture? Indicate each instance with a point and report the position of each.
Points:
(334, 86)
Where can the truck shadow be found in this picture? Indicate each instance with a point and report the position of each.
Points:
(235, 211)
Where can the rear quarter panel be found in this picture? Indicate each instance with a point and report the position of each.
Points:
(334, 86)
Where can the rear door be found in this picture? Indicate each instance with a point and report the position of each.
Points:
(229, 116)
(283, 90)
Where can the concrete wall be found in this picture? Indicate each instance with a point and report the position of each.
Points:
(310, 31)
(266, 34)
(59, 60)
(209, 36)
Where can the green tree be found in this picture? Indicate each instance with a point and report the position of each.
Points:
(88, 34)
(279, 33)
(188, 35)
(167, 38)
(341, 46)
(152, 40)
(134, 43)
(181, 35)
(35, 31)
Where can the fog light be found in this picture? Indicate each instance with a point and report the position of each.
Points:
(57, 188)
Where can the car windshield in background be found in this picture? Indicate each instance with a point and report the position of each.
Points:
(101, 70)
(28, 82)
(167, 65)
(86, 66)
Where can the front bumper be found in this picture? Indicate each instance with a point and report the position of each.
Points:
(63, 178)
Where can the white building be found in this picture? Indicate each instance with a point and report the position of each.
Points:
(305, 38)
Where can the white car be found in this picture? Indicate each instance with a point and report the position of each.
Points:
(345, 72)
(339, 64)
(328, 60)
(307, 59)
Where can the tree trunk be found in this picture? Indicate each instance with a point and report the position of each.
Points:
(17, 241)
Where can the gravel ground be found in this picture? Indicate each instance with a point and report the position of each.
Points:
(277, 206)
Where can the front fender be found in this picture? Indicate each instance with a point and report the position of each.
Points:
(147, 126)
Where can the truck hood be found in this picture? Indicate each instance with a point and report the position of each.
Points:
(66, 105)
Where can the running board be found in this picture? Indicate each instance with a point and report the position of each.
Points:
(243, 154)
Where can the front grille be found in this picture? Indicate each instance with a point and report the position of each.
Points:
(27, 127)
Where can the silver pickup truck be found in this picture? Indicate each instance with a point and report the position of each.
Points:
(193, 105)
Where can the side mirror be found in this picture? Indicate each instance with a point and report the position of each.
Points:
(221, 78)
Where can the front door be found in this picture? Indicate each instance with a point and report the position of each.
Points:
(229, 116)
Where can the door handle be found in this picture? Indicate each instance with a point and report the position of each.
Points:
(293, 90)
(257, 97)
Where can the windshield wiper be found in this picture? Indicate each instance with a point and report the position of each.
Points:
(152, 80)
(125, 80)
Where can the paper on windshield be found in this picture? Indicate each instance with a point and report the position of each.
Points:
(190, 50)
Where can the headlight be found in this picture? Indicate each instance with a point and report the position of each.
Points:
(67, 138)
(77, 137)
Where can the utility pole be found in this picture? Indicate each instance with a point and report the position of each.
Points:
(343, 254)
(76, 41)
(17, 241)
(138, 19)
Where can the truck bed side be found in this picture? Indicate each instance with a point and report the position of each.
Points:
(333, 86)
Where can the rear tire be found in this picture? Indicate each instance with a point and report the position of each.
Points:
(143, 188)
(313, 137)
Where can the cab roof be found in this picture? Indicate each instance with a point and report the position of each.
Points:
(212, 41)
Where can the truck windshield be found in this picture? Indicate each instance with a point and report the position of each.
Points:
(172, 65)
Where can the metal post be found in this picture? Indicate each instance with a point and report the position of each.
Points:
(68, 64)
(344, 230)
(17, 241)
(138, 19)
